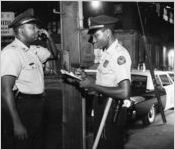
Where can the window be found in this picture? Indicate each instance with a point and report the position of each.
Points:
(158, 81)
(164, 79)
(172, 76)
(139, 82)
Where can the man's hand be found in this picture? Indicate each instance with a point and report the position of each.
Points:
(20, 131)
(87, 83)
(45, 32)
(80, 72)
(51, 44)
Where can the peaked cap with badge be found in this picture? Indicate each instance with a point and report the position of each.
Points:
(99, 22)
(25, 17)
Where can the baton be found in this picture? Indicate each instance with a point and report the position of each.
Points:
(102, 124)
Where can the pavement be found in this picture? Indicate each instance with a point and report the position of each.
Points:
(154, 136)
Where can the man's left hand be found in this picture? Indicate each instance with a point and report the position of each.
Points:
(45, 32)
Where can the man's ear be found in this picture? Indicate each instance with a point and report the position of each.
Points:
(21, 30)
(108, 32)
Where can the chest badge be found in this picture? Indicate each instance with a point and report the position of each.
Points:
(106, 62)
(32, 65)
(121, 60)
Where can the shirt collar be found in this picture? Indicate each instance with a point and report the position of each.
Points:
(112, 47)
(21, 44)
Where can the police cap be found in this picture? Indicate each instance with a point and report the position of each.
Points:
(23, 18)
(101, 21)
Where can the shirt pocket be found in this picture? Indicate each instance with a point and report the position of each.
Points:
(29, 73)
(105, 69)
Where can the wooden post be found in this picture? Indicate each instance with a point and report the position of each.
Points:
(73, 128)
(72, 118)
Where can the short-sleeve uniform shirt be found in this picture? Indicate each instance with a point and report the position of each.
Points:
(115, 66)
(26, 65)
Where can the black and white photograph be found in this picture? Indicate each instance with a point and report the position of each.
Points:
(87, 74)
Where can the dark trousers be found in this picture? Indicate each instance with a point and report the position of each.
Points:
(113, 135)
(30, 110)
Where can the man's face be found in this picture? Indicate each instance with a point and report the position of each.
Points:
(30, 32)
(100, 39)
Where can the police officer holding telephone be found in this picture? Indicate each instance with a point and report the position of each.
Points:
(22, 81)
(112, 78)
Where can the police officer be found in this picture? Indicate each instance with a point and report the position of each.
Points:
(22, 75)
(112, 78)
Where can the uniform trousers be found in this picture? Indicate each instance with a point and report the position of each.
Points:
(113, 135)
(30, 109)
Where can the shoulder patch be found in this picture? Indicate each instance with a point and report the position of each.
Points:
(121, 60)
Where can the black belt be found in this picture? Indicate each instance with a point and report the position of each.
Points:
(30, 95)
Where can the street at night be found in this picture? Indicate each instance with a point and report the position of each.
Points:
(87, 75)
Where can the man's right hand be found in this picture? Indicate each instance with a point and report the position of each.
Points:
(80, 72)
(20, 131)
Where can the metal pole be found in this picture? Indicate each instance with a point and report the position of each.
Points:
(80, 26)
(80, 6)
(102, 124)
(61, 27)
(152, 69)
(84, 121)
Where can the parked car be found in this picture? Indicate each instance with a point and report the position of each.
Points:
(171, 75)
(144, 102)
(166, 80)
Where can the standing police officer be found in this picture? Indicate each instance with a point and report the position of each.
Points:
(22, 71)
(112, 78)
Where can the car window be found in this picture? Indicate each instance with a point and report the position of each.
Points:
(172, 76)
(138, 82)
(164, 79)
(158, 80)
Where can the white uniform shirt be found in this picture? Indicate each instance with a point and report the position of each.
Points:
(26, 65)
(98, 54)
(115, 66)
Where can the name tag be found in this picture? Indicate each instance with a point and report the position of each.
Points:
(105, 64)
(32, 65)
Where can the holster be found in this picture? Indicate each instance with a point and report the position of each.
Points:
(117, 107)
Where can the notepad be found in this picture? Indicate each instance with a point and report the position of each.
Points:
(70, 74)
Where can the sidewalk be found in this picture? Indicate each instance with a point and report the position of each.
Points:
(155, 136)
